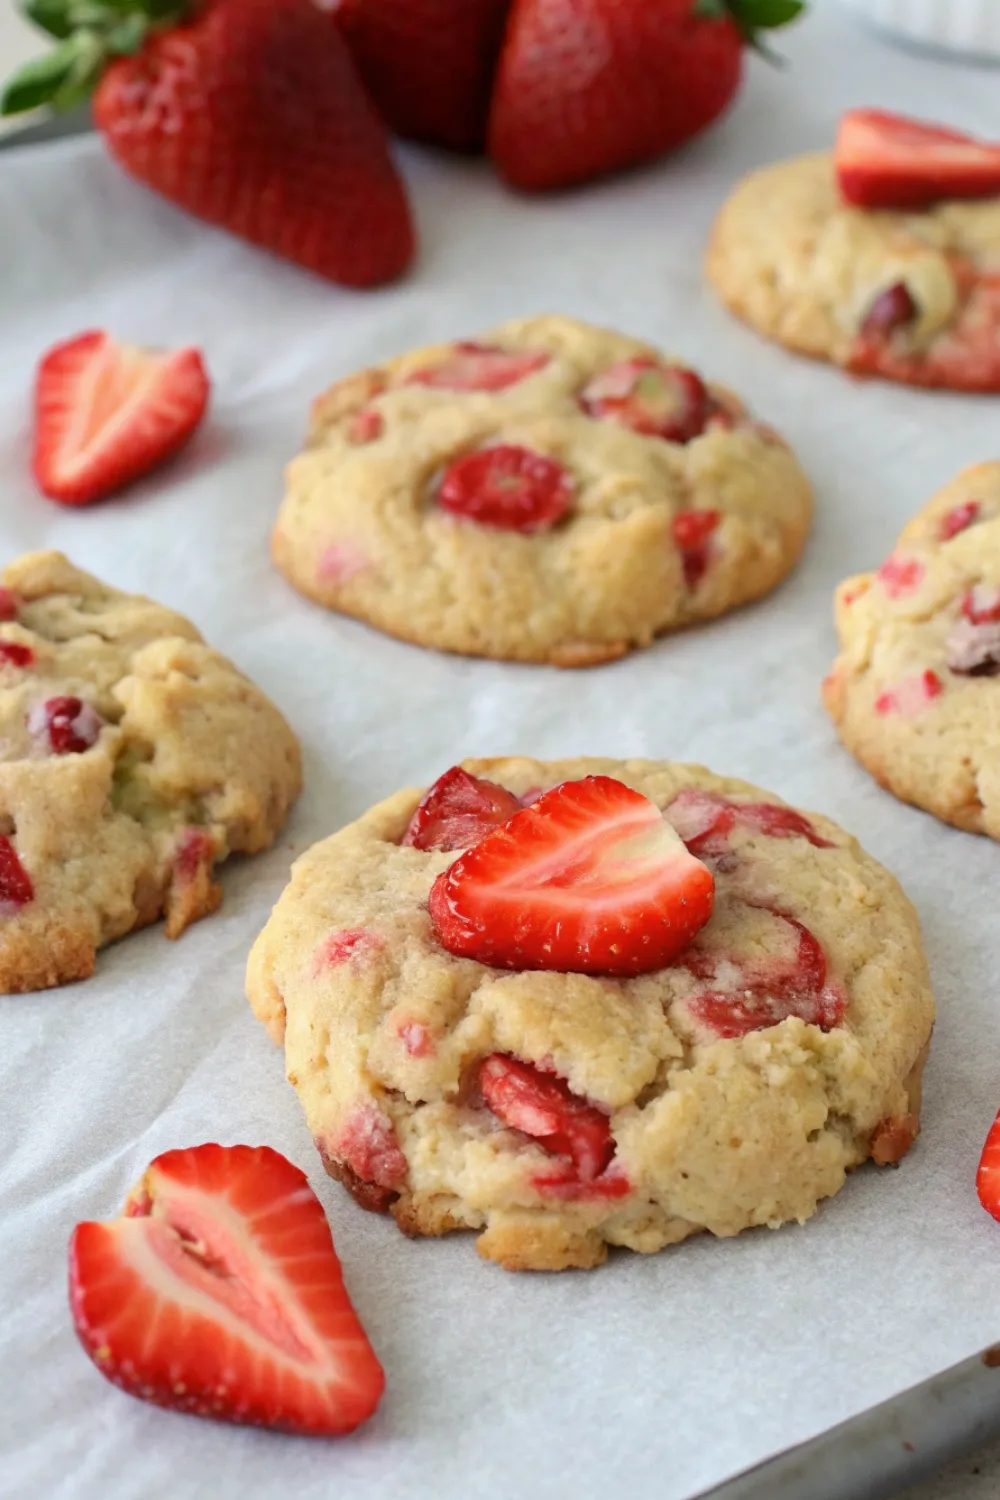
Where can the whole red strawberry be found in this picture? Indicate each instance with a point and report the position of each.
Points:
(586, 87)
(428, 64)
(247, 113)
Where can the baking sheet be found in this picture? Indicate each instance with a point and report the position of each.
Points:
(653, 1377)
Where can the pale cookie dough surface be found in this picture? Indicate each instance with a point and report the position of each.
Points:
(173, 761)
(915, 690)
(360, 530)
(806, 269)
(384, 1032)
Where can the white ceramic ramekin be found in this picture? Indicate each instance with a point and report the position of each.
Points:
(969, 27)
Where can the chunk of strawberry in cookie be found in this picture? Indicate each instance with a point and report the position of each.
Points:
(509, 488)
(657, 400)
(973, 647)
(459, 810)
(16, 889)
(590, 879)
(981, 604)
(365, 426)
(965, 356)
(959, 519)
(543, 1106)
(8, 605)
(368, 1145)
(481, 367)
(344, 946)
(692, 530)
(900, 576)
(894, 308)
(705, 821)
(755, 993)
(64, 725)
(192, 893)
(16, 654)
(911, 696)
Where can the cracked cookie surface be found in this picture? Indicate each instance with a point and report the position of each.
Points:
(134, 760)
(552, 492)
(911, 297)
(557, 1114)
(915, 690)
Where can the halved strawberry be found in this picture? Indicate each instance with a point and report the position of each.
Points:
(889, 161)
(106, 413)
(988, 1175)
(507, 487)
(591, 879)
(544, 1106)
(459, 810)
(16, 889)
(658, 400)
(219, 1292)
(481, 367)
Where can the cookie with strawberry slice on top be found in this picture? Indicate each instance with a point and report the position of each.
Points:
(883, 257)
(915, 690)
(135, 759)
(587, 1003)
(547, 492)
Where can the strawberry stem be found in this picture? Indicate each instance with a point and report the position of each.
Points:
(752, 17)
(89, 34)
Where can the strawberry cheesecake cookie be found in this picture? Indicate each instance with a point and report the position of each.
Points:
(914, 692)
(594, 1003)
(134, 760)
(883, 257)
(551, 492)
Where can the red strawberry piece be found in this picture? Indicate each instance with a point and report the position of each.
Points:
(965, 356)
(900, 576)
(988, 1175)
(8, 605)
(369, 1147)
(415, 1038)
(768, 991)
(481, 367)
(959, 519)
(16, 654)
(219, 1292)
(510, 488)
(889, 161)
(981, 604)
(911, 696)
(543, 1106)
(459, 810)
(66, 726)
(365, 426)
(342, 561)
(894, 308)
(16, 889)
(691, 530)
(591, 879)
(106, 413)
(664, 401)
(194, 852)
(343, 946)
(427, 64)
(584, 90)
(247, 114)
(705, 821)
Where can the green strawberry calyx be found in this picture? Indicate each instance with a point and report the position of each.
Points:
(88, 34)
(752, 16)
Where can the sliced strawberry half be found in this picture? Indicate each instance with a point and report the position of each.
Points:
(890, 161)
(988, 1175)
(105, 413)
(16, 889)
(544, 1106)
(459, 810)
(590, 879)
(219, 1293)
(664, 401)
(481, 367)
(507, 487)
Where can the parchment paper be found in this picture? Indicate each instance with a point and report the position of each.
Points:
(654, 1377)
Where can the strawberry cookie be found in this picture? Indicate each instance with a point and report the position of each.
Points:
(883, 257)
(550, 492)
(135, 759)
(594, 1003)
(914, 692)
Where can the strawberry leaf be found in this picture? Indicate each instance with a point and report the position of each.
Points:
(39, 81)
(753, 15)
(51, 16)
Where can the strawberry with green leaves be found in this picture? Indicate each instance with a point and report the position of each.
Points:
(246, 113)
(587, 87)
